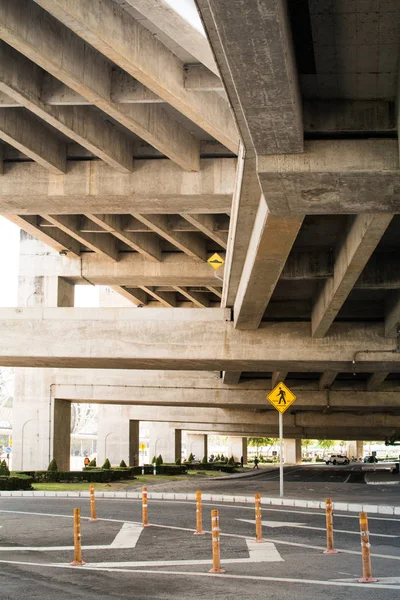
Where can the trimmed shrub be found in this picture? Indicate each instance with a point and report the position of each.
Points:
(122, 464)
(191, 457)
(52, 466)
(159, 460)
(154, 460)
(178, 461)
(87, 475)
(4, 470)
(20, 482)
(92, 463)
(204, 460)
(231, 461)
(107, 464)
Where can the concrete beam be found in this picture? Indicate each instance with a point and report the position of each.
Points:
(111, 30)
(162, 339)
(326, 380)
(45, 41)
(22, 80)
(352, 254)
(245, 203)
(375, 381)
(179, 31)
(278, 376)
(167, 299)
(188, 243)
(131, 270)
(336, 176)
(136, 296)
(55, 238)
(148, 245)
(199, 78)
(31, 137)
(231, 377)
(255, 40)
(197, 298)
(103, 244)
(270, 244)
(207, 224)
(392, 319)
(156, 186)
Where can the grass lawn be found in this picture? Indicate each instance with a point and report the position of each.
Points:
(121, 486)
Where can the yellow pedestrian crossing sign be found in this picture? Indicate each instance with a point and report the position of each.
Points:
(142, 447)
(281, 397)
(216, 261)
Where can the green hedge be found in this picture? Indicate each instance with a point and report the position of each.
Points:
(89, 475)
(20, 482)
(214, 466)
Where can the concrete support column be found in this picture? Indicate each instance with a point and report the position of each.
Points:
(178, 444)
(205, 438)
(235, 448)
(62, 434)
(359, 449)
(133, 443)
(195, 445)
(244, 450)
(113, 433)
(292, 452)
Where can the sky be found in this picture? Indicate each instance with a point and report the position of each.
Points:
(9, 233)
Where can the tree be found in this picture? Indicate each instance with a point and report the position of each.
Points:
(326, 444)
(305, 442)
(106, 464)
(53, 466)
(258, 442)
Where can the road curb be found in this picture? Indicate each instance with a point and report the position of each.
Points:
(380, 509)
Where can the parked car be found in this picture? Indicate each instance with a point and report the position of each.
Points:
(370, 459)
(337, 459)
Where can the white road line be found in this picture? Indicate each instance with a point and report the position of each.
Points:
(302, 526)
(128, 536)
(284, 580)
(189, 529)
(258, 553)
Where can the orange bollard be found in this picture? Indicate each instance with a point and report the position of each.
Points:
(257, 499)
(92, 504)
(144, 507)
(199, 514)
(216, 549)
(330, 549)
(365, 550)
(77, 539)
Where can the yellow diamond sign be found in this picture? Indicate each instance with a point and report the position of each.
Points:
(281, 397)
(216, 261)
(142, 447)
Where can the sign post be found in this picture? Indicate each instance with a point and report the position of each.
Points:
(281, 398)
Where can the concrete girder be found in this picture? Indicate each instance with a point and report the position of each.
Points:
(375, 381)
(185, 339)
(131, 270)
(258, 34)
(199, 78)
(21, 79)
(180, 32)
(111, 30)
(207, 225)
(392, 319)
(189, 243)
(326, 380)
(44, 40)
(136, 296)
(352, 254)
(167, 299)
(245, 203)
(104, 245)
(56, 238)
(197, 298)
(231, 377)
(31, 137)
(156, 186)
(333, 176)
(278, 376)
(148, 245)
(270, 244)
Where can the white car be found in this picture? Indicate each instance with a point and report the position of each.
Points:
(337, 459)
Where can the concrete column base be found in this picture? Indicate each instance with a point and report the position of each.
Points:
(292, 452)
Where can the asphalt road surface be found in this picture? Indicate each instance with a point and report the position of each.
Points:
(166, 561)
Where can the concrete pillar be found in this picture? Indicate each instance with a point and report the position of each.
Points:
(178, 444)
(62, 434)
(195, 445)
(235, 448)
(244, 450)
(205, 439)
(133, 443)
(113, 433)
(359, 449)
(292, 452)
